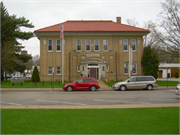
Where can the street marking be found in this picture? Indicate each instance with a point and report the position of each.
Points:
(10, 103)
(119, 101)
(61, 102)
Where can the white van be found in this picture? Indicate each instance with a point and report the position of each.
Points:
(136, 82)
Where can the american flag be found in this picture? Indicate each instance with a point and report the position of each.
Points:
(61, 34)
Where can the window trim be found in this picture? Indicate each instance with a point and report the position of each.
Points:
(124, 45)
(57, 71)
(89, 45)
(135, 68)
(48, 46)
(77, 44)
(78, 68)
(57, 45)
(107, 68)
(134, 45)
(126, 67)
(50, 70)
(96, 45)
(105, 45)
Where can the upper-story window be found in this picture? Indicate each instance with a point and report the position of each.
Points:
(105, 44)
(50, 43)
(58, 45)
(88, 42)
(96, 44)
(125, 43)
(79, 44)
(133, 43)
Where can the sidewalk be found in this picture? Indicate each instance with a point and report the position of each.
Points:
(88, 106)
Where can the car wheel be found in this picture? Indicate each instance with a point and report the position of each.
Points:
(149, 87)
(93, 88)
(69, 88)
(123, 88)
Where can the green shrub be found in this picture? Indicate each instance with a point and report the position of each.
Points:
(168, 75)
(35, 76)
(176, 75)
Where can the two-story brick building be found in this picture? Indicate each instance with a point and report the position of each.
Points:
(92, 48)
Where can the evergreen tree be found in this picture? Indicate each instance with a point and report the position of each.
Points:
(150, 62)
(10, 47)
(35, 75)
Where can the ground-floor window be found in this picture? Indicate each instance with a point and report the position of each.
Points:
(50, 70)
(58, 70)
(125, 67)
(134, 67)
(78, 68)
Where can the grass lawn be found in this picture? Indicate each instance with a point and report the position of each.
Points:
(57, 84)
(29, 84)
(90, 121)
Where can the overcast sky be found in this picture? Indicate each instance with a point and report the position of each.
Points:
(43, 13)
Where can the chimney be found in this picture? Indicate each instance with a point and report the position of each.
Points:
(118, 19)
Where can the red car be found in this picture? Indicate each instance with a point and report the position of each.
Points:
(82, 84)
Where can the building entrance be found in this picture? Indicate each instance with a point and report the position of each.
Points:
(94, 72)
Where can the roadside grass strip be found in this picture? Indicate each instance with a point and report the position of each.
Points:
(163, 120)
(58, 84)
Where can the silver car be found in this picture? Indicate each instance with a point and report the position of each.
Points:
(136, 82)
(177, 89)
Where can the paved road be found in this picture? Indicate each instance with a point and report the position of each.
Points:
(100, 97)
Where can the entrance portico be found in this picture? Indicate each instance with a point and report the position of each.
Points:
(93, 67)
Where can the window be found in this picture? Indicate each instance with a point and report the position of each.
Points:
(80, 81)
(88, 80)
(141, 79)
(103, 68)
(79, 44)
(78, 68)
(58, 45)
(105, 44)
(50, 43)
(133, 79)
(107, 67)
(96, 44)
(134, 67)
(125, 43)
(50, 70)
(58, 70)
(133, 43)
(88, 42)
(125, 67)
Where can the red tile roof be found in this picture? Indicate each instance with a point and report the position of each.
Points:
(91, 26)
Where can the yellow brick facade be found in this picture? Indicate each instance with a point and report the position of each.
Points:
(113, 58)
(100, 64)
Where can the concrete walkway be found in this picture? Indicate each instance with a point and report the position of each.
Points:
(89, 106)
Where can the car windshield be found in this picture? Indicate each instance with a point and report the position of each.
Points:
(125, 80)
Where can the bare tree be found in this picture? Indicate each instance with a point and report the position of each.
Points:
(36, 60)
(132, 22)
(169, 24)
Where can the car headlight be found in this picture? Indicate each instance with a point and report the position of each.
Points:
(116, 85)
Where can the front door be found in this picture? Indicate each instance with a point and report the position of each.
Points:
(93, 72)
